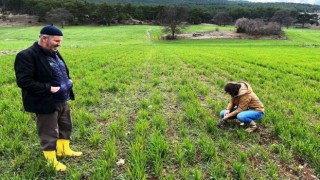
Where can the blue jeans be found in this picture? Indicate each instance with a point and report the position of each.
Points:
(247, 116)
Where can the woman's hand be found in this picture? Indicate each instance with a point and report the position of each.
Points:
(226, 114)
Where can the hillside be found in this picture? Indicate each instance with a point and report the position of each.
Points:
(219, 4)
(159, 2)
(163, 2)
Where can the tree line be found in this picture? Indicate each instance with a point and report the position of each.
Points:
(79, 12)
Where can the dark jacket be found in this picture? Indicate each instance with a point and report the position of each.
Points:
(33, 76)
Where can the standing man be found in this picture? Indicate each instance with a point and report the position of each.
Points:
(46, 86)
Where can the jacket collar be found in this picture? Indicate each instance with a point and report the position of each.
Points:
(43, 54)
(244, 89)
(45, 51)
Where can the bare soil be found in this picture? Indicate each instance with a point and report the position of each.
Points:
(226, 35)
(12, 20)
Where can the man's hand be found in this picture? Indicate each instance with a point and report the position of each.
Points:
(54, 89)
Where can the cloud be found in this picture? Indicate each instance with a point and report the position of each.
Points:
(290, 1)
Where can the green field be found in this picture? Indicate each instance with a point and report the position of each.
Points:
(155, 104)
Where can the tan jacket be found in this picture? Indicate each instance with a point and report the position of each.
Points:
(245, 100)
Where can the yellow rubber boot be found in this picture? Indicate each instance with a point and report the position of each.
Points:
(63, 148)
(52, 159)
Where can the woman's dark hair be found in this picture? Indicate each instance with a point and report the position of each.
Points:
(232, 89)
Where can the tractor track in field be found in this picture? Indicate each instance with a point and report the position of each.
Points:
(8, 52)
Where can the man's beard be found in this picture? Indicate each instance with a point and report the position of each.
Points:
(51, 47)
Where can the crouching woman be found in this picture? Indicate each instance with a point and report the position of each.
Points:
(244, 105)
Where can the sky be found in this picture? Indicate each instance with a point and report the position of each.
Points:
(317, 2)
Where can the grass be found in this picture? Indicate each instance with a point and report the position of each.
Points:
(156, 104)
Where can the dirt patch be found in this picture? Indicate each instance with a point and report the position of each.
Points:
(12, 20)
(225, 35)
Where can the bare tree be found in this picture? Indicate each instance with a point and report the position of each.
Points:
(171, 18)
(272, 28)
(249, 26)
(222, 18)
(59, 15)
(257, 27)
(241, 25)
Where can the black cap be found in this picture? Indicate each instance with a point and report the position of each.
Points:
(51, 30)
